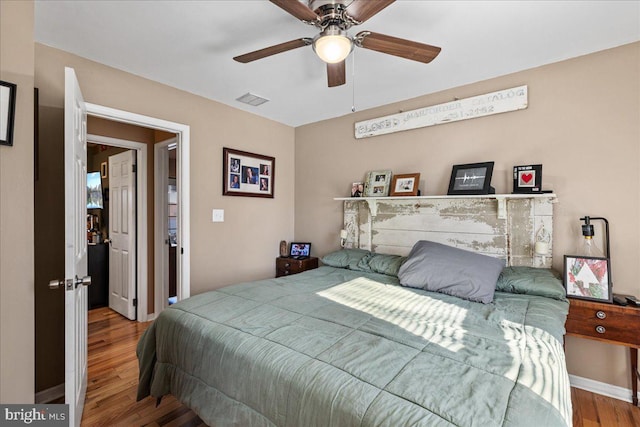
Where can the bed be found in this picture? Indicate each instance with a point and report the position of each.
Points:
(417, 322)
(347, 345)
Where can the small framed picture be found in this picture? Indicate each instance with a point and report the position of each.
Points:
(472, 178)
(377, 183)
(527, 179)
(247, 174)
(587, 278)
(405, 184)
(7, 112)
(357, 189)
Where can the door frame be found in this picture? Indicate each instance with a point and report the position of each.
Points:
(183, 262)
(142, 272)
(161, 250)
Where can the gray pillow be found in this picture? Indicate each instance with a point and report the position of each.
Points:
(436, 267)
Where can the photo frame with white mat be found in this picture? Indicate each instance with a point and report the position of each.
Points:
(405, 184)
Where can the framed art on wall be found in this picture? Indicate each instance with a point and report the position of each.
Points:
(247, 174)
(470, 179)
(7, 112)
(405, 184)
(527, 179)
(587, 278)
(377, 183)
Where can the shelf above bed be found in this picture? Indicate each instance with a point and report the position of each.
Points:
(501, 198)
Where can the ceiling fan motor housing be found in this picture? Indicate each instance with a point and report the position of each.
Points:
(331, 13)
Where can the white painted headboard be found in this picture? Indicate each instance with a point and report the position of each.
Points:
(503, 226)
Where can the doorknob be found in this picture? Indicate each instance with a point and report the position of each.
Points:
(55, 284)
(85, 281)
(70, 284)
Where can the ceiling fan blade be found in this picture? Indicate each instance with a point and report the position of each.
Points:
(361, 10)
(297, 9)
(272, 50)
(399, 47)
(336, 74)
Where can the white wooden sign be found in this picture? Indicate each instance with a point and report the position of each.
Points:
(501, 101)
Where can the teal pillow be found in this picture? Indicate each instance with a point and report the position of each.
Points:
(386, 264)
(346, 258)
(531, 281)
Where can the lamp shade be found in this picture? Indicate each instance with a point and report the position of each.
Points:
(332, 45)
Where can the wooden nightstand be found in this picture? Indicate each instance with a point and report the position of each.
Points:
(288, 266)
(609, 323)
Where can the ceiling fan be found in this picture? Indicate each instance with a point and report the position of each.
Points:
(333, 44)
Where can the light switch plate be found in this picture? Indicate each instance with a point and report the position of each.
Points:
(218, 215)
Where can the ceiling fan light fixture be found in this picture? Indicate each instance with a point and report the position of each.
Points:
(332, 45)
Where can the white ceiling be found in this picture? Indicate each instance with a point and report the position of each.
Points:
(190, 45)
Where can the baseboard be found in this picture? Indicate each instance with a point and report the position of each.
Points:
(604, 389)
(50, 394)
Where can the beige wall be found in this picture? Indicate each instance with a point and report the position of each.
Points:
(582, 124)
(16, 209)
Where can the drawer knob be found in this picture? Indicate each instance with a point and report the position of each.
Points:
(601, 314)
(600, 329)
(287, 265)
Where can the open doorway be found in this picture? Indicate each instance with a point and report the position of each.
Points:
(113, 224)
(149, 303)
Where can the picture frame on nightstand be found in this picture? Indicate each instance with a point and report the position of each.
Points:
(588, 278)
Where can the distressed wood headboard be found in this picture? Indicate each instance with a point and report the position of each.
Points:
(503, 226)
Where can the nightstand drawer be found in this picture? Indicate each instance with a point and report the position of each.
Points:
(604, 322)
(289, 266)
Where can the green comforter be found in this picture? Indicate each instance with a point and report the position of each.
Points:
(335, 347)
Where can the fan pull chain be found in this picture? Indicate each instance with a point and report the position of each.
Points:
(353, 80)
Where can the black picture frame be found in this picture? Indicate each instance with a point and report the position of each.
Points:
(471, 179)
(578, 269)
(247, 174)
(7, 111)
(527, 179)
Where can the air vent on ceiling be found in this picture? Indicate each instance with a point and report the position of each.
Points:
(251, 99)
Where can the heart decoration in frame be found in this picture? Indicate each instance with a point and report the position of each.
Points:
(527, 179)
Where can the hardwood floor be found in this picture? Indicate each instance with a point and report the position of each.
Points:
(113, 379)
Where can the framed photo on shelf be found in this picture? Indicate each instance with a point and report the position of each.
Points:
(527, 179)
(377, 183)
(587, 278)
(247, 174)
(357, 189)
(405, 184)
(7, 112)
(472, 178)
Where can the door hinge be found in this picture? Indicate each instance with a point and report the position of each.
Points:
(181, 251)
(134, 168)
(135, 302)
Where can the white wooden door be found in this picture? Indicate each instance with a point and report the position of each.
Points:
(75, 200)
(122, 234)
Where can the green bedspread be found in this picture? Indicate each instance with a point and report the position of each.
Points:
(335, 347)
